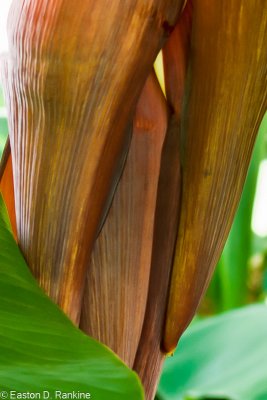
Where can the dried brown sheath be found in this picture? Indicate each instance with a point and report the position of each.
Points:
(226, 99)
(75, 71)
(150, 357)
(117, 279)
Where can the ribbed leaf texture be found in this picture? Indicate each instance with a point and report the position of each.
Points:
(72, 78)
(225, 101)
(118, 276)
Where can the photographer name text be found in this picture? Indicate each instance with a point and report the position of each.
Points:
(45, 395)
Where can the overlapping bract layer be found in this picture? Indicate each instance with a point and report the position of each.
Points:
(72, 79)
(225, 100)
(70, 102)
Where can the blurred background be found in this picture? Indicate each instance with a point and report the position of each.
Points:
(223, 354)
(4, 8)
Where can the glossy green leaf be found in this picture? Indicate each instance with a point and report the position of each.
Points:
(40, 349)
(223, 357)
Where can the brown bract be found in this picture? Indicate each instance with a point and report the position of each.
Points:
(72, 78)
(118, 275)
(149, 358)
(225, 101)
(150, 355)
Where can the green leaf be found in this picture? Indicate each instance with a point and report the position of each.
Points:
(40, 349)
(223, 357)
